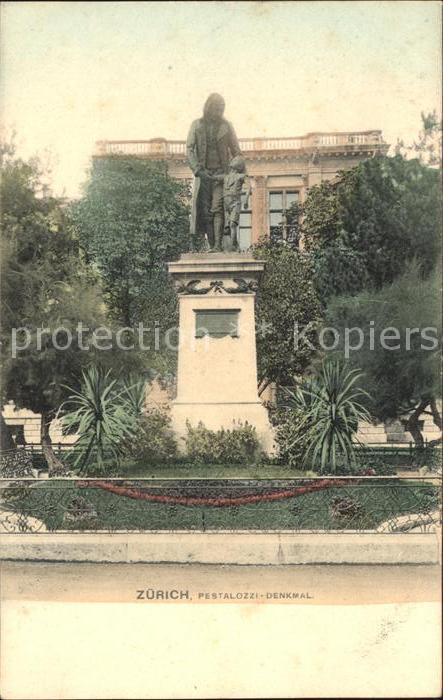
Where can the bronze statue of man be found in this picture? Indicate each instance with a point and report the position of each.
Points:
(210, 146)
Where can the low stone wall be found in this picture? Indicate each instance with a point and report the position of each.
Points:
(252, 547)
(159, 398)
(31, 422)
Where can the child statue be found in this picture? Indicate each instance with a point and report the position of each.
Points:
(232, 191)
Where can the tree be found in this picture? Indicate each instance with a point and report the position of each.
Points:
(396, 334)
(428, 147)
(45, 286)
(132, 219)
(286, 297)
(363, 228)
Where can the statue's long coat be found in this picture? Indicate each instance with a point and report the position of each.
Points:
(228, 147)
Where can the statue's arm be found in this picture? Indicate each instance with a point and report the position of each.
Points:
(191, 150)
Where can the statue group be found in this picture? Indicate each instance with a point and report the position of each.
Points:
(219, 169)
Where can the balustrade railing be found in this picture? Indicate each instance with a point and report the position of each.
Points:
(162, 147)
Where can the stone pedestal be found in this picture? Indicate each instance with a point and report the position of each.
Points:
(217, 365)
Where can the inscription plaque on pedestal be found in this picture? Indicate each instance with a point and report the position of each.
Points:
(216, 323)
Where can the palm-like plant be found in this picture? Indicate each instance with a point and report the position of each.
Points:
(101, 414)
(331, 408)
(134, 396)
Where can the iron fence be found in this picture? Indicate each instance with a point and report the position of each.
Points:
(407, 456)
(333, 504)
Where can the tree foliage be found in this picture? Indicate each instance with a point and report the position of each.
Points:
(45, 284)
(286, 297)
(131, 220)
(401, 369)
(363, 228)
(428, 146)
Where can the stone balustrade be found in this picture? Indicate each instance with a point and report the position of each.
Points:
(161, 147)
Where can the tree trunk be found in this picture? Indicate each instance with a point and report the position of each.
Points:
(436, 417)
(412, 425)
(6, 441)
(436, 414)
(55, 466)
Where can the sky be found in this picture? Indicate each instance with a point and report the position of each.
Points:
(77, 72)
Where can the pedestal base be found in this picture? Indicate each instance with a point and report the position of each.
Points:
(217, 365)
(215, 416)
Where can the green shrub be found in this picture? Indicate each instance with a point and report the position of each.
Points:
(153, 441)
(290, 436)
(431, 458)
(376, 464)
(15, 463)
(38, 461)
(237, 446)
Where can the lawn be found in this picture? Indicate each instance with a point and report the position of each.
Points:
(65, 506)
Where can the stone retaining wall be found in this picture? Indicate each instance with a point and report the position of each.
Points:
(240, 547)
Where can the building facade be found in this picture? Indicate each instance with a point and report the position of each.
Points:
(281, 170)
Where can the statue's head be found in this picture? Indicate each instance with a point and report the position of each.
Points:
(238, 164)
(214, 107)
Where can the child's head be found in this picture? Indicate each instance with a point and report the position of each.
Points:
(238, 164)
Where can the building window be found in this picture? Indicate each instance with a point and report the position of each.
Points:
(245, 225)
(279, 202)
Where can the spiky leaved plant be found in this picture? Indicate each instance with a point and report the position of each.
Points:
(331, 408)
(102, 416)
(134, 396)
